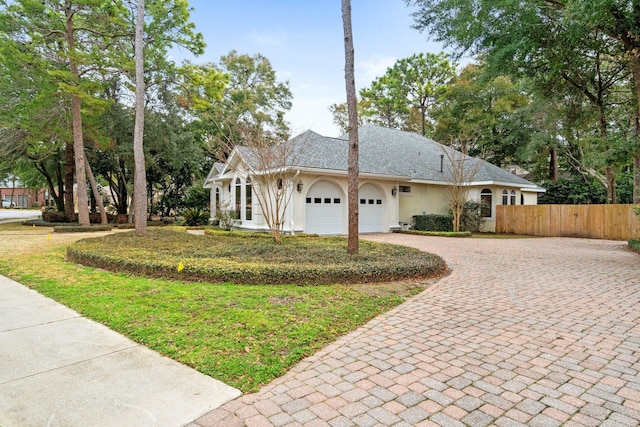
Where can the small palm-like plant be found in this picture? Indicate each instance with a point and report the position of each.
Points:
(196, 216)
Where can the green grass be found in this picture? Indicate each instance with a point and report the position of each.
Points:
(243, 335)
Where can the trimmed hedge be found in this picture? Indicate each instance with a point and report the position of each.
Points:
(436, 233)
(253, 258)
(80, 229)
(432, 222)
(54, 216)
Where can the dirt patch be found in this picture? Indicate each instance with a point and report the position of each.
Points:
(405, 288)
(286, 300)
(16, 239)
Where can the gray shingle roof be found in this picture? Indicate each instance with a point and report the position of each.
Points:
(392, 152)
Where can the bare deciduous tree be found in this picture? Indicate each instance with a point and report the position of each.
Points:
(460, 170)
(268, 163)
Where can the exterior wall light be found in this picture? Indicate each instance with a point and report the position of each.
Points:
(394, 191)
(299, 187)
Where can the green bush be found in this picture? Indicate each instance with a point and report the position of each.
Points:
(432, 222)
(196, 216)
(80, 229)
(436, 233)
(471, 217)
(51, 215)
(635, 244)
(253, 258)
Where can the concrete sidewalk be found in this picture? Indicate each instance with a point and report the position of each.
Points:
(60, 369)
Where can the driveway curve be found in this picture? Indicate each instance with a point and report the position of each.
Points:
(538, 332)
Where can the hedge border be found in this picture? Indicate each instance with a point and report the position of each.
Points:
(436, 233)
(80, 228)
(224, 270)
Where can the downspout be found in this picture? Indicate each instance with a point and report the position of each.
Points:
(293, 189)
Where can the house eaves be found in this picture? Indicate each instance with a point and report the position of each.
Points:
(536, 189)
(337, 172)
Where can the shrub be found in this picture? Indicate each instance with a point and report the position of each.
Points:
(196, 216)
(80, 229)
(253, 258)
(635, 244)
(471, 217)
(95, 218)
(436, 233)
(226, 217)
(52, 215)
(432, 222)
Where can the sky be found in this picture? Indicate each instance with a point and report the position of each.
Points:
(304, 41)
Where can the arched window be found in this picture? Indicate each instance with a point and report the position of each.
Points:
(486, 200)
(238, 197)
(505, 197)
(247, 200)
(513, 197)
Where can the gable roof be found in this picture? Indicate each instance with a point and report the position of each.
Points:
(390, 153)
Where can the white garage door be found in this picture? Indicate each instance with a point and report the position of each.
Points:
(371, 210)
(325, 209)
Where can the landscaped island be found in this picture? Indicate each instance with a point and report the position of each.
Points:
(253, 258)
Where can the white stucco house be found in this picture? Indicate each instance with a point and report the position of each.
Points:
(401, 174)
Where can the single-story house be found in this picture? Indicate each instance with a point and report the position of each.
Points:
(402, 174)
(21, 197)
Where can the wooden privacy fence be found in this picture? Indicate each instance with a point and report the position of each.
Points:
(612, 222)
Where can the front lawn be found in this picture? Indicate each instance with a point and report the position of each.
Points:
(243, 335)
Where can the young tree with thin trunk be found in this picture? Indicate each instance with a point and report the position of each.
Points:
(270, 178)
(459, 170)
(352, 107)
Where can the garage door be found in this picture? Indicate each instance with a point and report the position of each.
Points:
(325, 209)
(371, 210)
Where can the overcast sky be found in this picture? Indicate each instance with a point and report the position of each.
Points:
(303, 39)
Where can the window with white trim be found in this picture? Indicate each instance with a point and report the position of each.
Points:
(238, 197)
(486, 200)
(247, 200)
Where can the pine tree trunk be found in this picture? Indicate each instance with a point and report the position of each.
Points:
(69, 210)
(140, 174)
(76, 119)
(553, 164)
(353, 170)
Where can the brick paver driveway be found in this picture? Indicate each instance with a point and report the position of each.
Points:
(540, 332)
